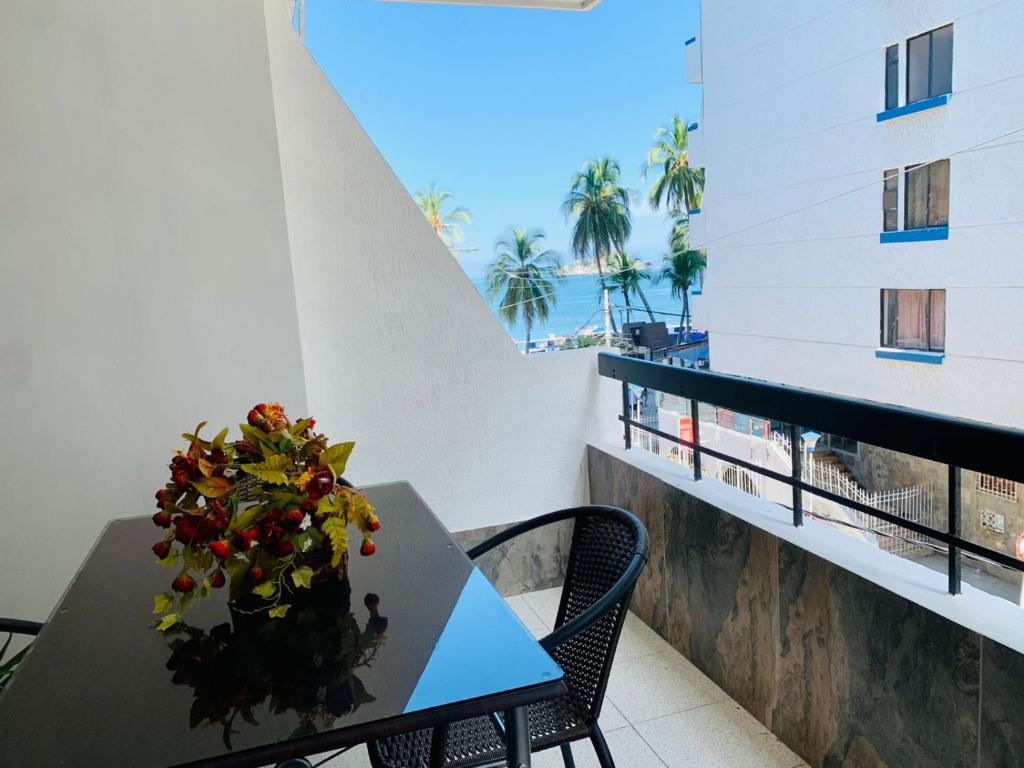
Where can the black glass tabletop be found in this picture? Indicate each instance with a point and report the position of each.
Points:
(416, 636)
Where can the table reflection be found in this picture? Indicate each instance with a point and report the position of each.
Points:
(305, 662)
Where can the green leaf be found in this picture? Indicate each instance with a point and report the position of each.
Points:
(299, 427)
(168, 621)
(271, 470)
(162, 602)
(256, 436)
(221, 438)
(336, 457)
(279, 611)
(303, 576)
(212, 487)
(266, 589)
(334, 529)
(247, 518)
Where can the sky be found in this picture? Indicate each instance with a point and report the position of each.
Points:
(502, 106)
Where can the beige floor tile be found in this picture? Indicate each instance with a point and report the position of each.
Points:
(523, 610)
(611, 719)
(545, 604)
(723, 735)
(661, 684)
(627, 748)
(638, 640)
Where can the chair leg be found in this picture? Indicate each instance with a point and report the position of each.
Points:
(567, 756)
(604, 757)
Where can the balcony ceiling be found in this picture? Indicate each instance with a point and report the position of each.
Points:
(557, 5)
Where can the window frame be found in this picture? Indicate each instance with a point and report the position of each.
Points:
(889, 321)
(929, 214)
(891, 177)
(892, 76)
(930, 34)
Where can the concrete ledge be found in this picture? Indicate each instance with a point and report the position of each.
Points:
(923, 235)
(910, 355)
(910, 109)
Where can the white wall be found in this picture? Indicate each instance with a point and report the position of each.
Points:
(401, 353)
(141, 227)
(791, 94)
(146, 283)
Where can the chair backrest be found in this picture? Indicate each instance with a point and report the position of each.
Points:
(606, 542)
(14, 627)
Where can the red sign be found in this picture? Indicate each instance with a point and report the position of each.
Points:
(686, 430)
(1020, 547)
(726, 418)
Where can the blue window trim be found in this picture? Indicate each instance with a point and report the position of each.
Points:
(910, 355)
(691, 41)
(693, 211)
(692, 127)
(916, 106)
(924, 234)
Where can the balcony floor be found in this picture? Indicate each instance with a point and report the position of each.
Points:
(660, 710)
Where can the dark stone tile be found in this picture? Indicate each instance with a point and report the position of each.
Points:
(532, 561)
(722, 600)
(617, 484)
(868, 679)
(1002, 702)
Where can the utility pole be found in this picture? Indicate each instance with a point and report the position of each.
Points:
(299, 17)
(607, 319)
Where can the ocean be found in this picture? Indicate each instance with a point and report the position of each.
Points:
(578, 306)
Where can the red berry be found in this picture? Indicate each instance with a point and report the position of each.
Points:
(162, 549)
(368, 548)
(285, 548)
(183, 583)
(217, 456)
(375, 525)
(254, 417)
(180, 477)
(221, 549)
(256, 575)
(309, 507)
(320, 485)
(161, 497)
(261, 409)
(293, 519)
(162, 519)
(244, 539)
(218, 580)
(312, 423)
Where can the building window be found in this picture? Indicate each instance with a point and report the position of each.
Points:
(914, 319)
(926, 195)
(839, 443)
(993, 521)
(890, 200)
(930, 64)
(997, 486)
(892, 77)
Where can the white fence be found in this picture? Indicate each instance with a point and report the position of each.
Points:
(912, 503)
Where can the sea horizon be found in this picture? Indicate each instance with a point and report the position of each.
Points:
(578, 307)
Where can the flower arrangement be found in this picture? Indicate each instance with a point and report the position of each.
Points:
(269, 512)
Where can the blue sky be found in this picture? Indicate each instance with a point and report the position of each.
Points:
(502, 106)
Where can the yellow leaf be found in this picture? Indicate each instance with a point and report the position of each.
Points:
(270, 471)
(336, 457)
(279, 611)
(171, 560)
(162, 602)
(205, 467)
(266, 589)
(212, 487)
(334, 529)
(168, 621)
(303, 576)
(327, 506)
(247, 518)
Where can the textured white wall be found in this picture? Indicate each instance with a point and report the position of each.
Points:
(401, 353)
(144, 273)
(791, 94)
(146, 282)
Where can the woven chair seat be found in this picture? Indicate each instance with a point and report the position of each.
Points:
(476, 742)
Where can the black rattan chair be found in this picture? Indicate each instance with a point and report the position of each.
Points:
(609, 550)
(14, 627)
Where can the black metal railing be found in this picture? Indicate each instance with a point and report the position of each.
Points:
(957, 443)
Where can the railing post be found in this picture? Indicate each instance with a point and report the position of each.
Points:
(797, 474)
(627, 415)
(695, 420)
(954, 529)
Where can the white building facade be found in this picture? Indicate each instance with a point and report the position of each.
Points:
(833, 263)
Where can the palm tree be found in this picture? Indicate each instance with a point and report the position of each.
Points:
(446, 225)
(679, 186)
(599, 204)
(682, 269)
(523, 273)
(627, 277)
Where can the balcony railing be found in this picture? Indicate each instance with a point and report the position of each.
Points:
(957, 443)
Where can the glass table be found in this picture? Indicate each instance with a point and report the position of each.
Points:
(416, 638)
